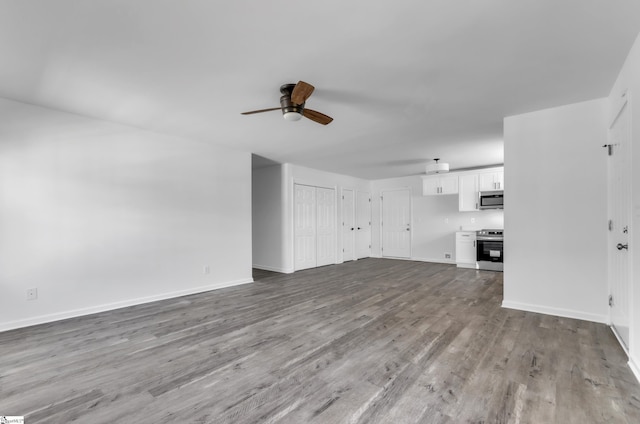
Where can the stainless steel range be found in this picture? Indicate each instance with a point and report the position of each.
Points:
(489, 249)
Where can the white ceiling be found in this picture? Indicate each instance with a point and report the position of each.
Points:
(405, 80)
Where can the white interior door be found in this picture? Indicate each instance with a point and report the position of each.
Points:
(363, 224)
(396, 223)
(348, 226)
(325, 226)
(305, 227)
(619, 194)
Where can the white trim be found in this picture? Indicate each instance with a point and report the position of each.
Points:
(310, 184)
(434, 260)
(620, 341)
(631, 363)
(623, 103)
(560, 312)
(634, 368)
(43, 319)
(273, 269)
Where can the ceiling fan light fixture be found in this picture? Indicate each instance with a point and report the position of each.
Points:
(436, 167)
(292, 116)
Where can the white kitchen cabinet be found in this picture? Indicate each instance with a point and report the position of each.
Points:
(466, 249)
(468, 192)
(488, 181)
(439, 184)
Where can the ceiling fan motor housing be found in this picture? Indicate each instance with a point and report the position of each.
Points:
(290, 110)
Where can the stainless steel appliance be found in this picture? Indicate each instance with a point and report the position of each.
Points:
(489, 249)
(491, 199)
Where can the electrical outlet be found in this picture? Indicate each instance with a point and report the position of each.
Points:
(32, 294)
(447, 255)
(206, 269)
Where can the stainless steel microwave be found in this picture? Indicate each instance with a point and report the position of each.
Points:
(491, 199)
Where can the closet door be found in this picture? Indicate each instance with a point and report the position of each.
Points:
(305, 227)
(348, 226)
(363, 225)
(325, 226)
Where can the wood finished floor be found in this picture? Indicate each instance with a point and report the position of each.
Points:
(372, 341)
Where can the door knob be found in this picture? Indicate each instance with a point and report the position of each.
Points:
(359, 228)
(621, 246)
(351, 228)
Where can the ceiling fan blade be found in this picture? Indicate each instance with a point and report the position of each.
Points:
(260, 111)
(301, 92)
(316, 116)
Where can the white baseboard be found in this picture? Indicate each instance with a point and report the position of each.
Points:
(565, 313)
(273, 269)
(417, 259)
(634, 368)
(43, 319)
(633, 365)
(434, 260)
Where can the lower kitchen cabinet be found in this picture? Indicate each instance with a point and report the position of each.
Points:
(466, 249)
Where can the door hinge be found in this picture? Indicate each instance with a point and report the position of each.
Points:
(610, 300)
(611, 225)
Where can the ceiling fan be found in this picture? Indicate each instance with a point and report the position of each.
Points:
(292, 103)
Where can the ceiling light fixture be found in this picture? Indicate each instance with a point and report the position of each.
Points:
(436, 167)
(292, 116)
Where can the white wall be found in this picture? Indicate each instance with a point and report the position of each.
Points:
(556, 211)
(97, 215)
(629, 82)
(435, 220)
(268, 211)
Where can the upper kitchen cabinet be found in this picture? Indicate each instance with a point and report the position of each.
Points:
(439, 184)
(493, 180)
(472, 182)
(468, 192)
